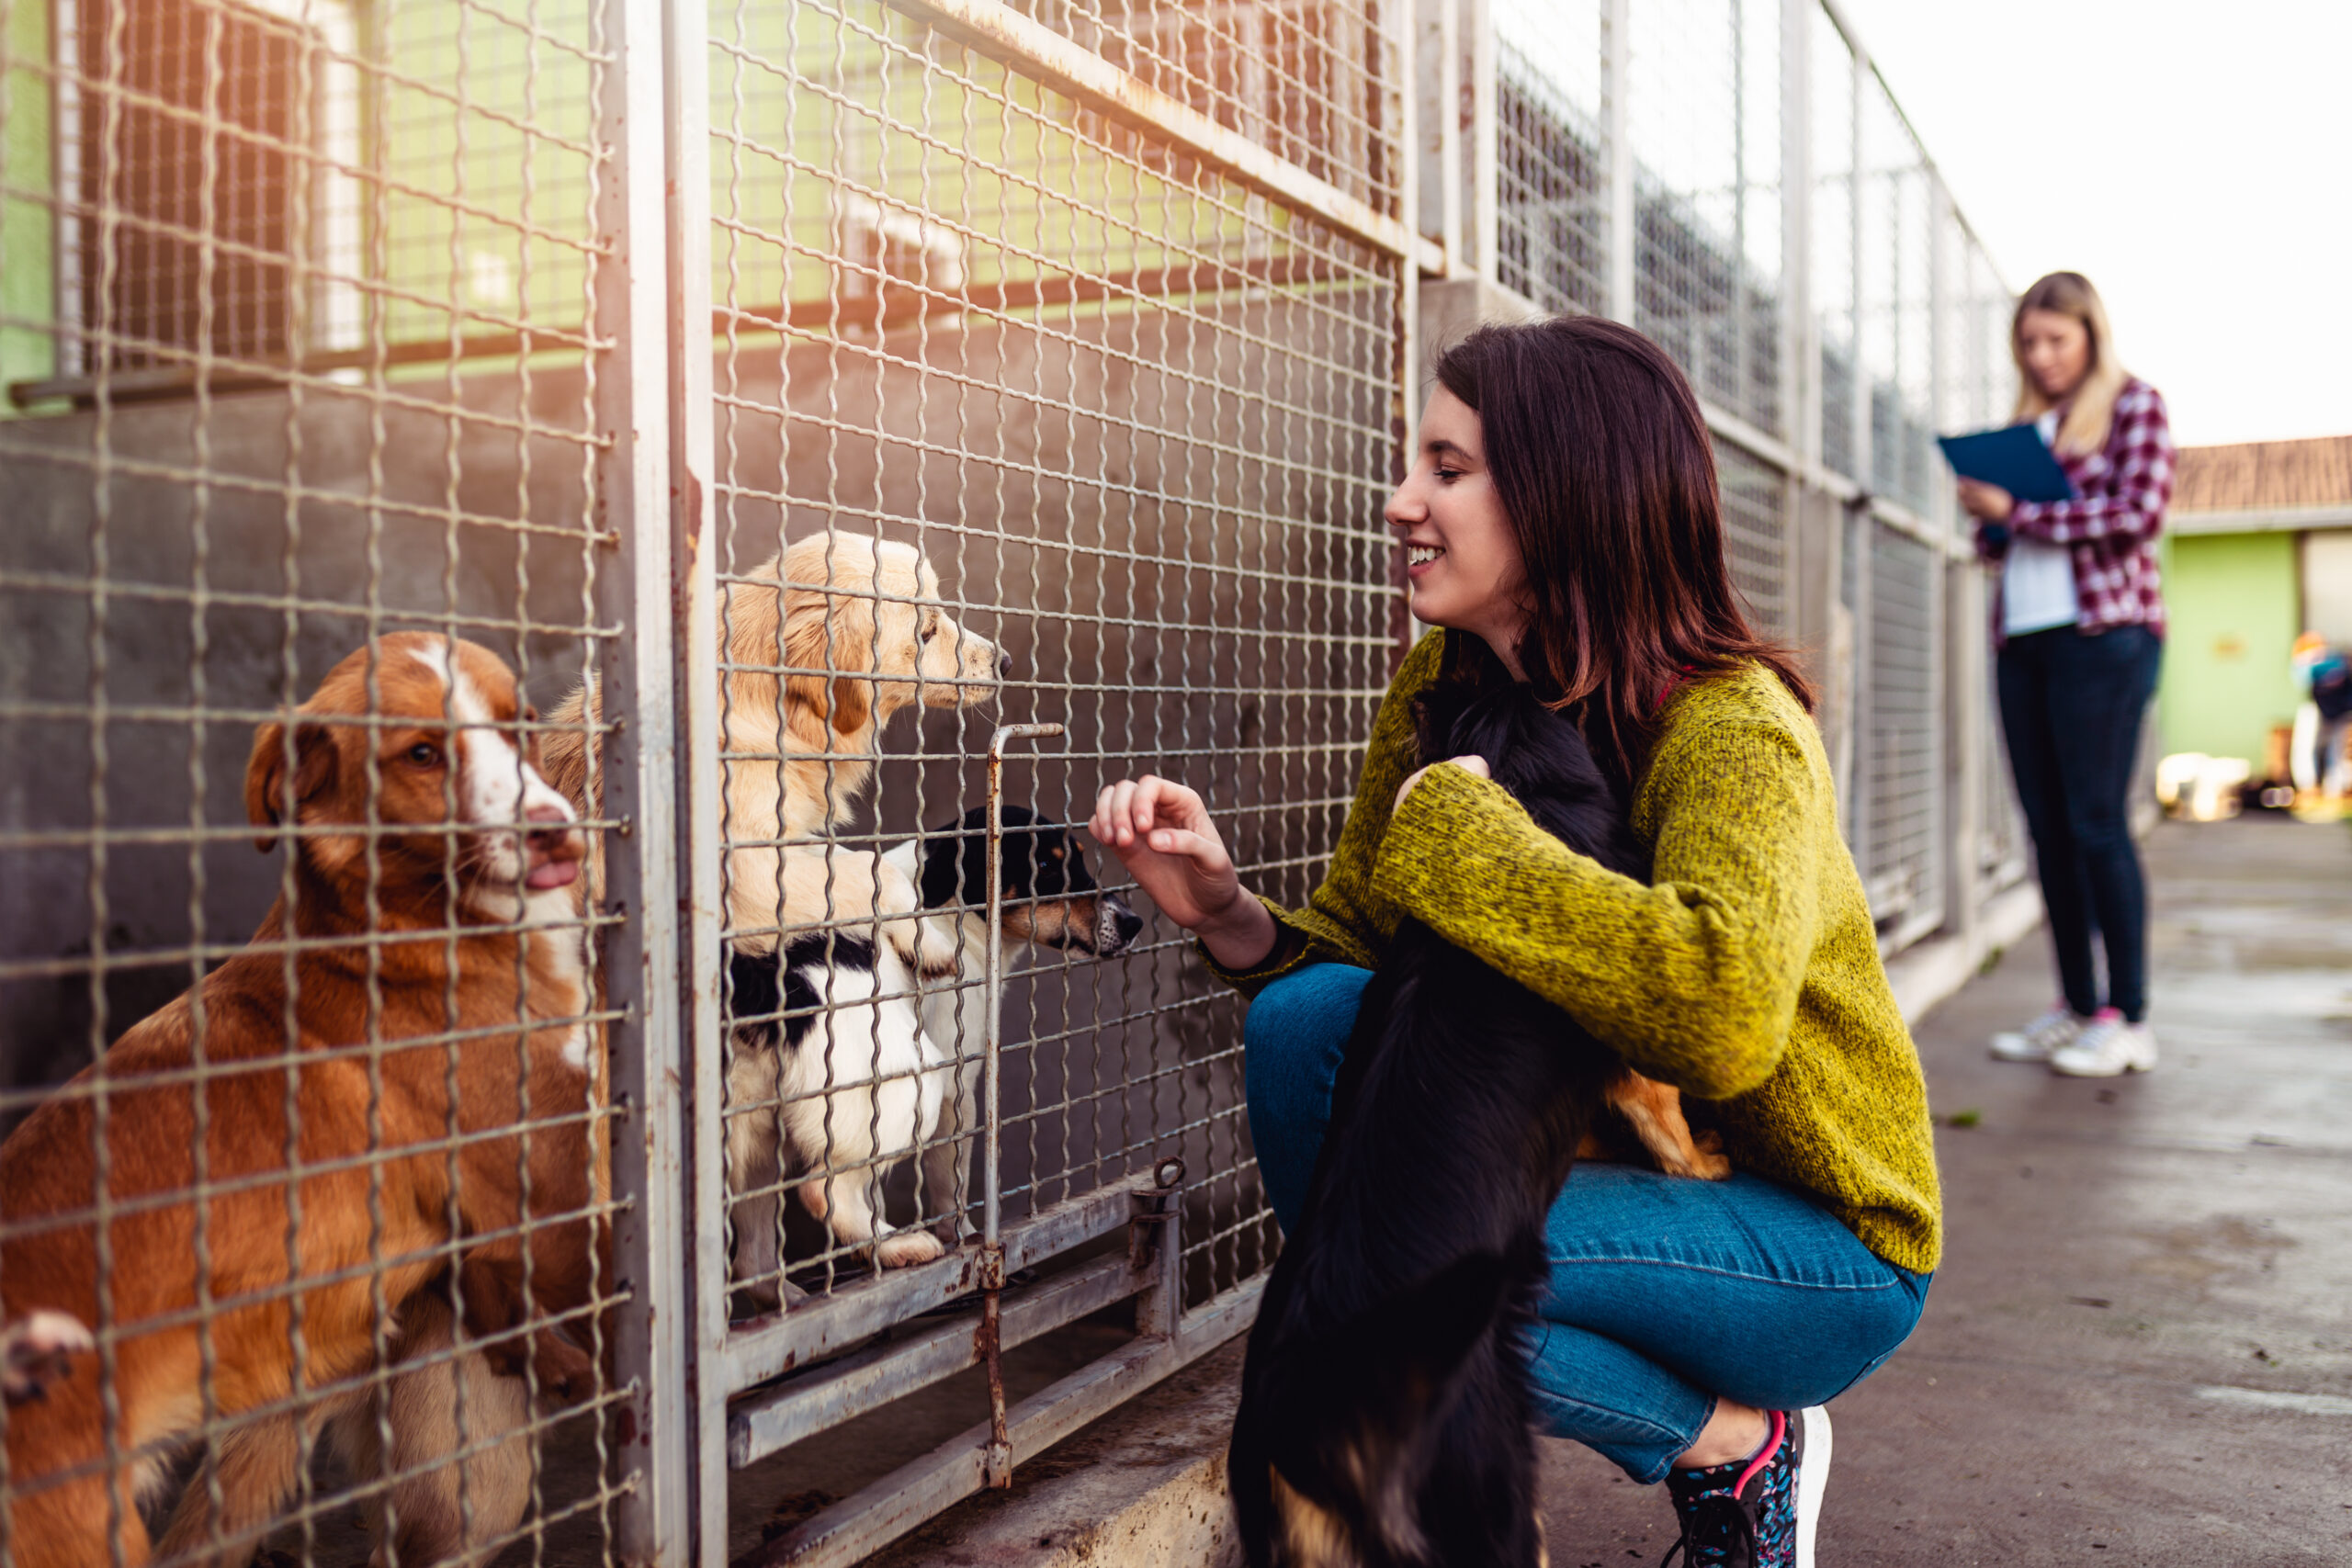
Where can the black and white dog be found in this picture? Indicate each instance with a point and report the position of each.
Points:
(1385, 1411)
(1052, 903)
(830, 1075)
(868, 1052)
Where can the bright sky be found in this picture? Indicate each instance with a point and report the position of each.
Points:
(2193, 159)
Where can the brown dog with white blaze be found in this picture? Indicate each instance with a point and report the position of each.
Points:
(413, 1003)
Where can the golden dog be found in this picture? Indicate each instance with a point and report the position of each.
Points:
(824, 644)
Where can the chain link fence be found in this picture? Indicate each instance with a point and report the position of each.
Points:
(728, 488)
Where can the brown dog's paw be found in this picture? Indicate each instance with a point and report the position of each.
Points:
(1699, 1159)
(34, 1353)
(567, 1374)
(564, 1371)
(1707, 1166)
(1653, 1111)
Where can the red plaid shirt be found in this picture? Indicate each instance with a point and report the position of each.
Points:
(2109, 533)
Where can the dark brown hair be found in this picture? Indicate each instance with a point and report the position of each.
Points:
(1600, 459)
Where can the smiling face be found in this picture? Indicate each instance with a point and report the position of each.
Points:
(1462, 562)
(2055, 349)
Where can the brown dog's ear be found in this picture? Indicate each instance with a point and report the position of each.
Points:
(845, 701)
(852, 700)
(314, 769)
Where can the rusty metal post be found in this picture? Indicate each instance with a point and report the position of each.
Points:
(1000, 1448)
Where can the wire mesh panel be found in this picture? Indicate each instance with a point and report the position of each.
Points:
(1024, 412)
(1705, 121)
(1835, 237)
(1552, 209)
(1892, 216)
(2001, 853)
(1294, 76)
(1756, 534)
(1980, 391)
(1903, 734)
(163, 55)
(307, 1198)
(1982, 383)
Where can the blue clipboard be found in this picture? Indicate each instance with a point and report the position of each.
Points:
(2014, 458)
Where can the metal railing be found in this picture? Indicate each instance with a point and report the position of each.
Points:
(862, 427)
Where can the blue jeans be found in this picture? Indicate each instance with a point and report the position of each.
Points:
(1665, 1294)
(2070, 711)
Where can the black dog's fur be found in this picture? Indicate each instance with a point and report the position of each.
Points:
(1384, 1410)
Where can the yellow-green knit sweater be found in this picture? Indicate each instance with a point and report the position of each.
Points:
(1747, 974)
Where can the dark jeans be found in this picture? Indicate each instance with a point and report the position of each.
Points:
(1665, 1292)
(2070, 711)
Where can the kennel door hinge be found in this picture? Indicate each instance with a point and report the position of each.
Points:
(1156, 1249)
(1147, 1216)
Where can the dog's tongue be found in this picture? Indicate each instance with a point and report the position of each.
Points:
(552, 873)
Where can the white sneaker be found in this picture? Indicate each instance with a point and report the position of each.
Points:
(2106, 1047)
(2034, 1042)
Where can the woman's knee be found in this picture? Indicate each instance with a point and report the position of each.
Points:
(2100, 829)
(1294, 1035)
(1897, 1313)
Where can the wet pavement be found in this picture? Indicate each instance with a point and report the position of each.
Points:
(2139, 1347)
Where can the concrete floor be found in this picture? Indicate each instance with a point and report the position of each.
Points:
(2139, 1347)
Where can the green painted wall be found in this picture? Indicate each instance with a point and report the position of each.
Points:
(2233, 604)
(27, 255)
(482, 127)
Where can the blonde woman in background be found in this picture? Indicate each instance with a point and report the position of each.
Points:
(2078, 628)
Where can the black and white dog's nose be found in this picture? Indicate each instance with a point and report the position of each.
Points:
(1119, 925)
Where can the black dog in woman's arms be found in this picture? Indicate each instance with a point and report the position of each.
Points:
(1384, 1409)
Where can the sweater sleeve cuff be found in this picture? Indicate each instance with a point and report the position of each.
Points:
(1289, 952)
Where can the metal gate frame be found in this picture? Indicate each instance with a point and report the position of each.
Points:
(641, 766)
(694, 1364)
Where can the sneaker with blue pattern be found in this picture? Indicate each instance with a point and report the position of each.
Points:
(1758, 1512)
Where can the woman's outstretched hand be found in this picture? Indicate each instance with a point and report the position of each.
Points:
(1161, 834)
